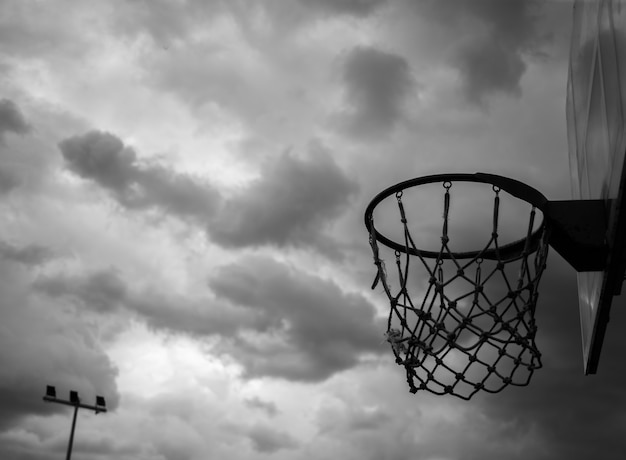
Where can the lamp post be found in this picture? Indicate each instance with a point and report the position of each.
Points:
(74, 401)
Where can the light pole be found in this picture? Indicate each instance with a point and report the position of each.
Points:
(74, 401)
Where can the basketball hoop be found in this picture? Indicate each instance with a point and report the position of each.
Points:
(480, 337)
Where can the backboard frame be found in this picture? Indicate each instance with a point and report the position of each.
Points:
(596, 138)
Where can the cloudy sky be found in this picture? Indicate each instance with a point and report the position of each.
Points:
(182, 185)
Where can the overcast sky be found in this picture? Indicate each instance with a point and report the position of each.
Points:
(182, 185)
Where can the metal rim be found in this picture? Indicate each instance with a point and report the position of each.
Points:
(511, 186)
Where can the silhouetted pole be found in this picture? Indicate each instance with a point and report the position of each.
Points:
(71, 443)
(74, 401)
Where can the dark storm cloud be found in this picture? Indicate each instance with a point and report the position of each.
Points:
(266, 406)
(378, 85)
(201, 318)
(28, 255)
(317, 329)
(11, 119)
(495, 62)
(102, 291)
(491, 57)
(104, 159)
(41, 346)
(351, 7)
(290, 204)
(489, 66)
(268, 440)
(105, 291)
(579, 416)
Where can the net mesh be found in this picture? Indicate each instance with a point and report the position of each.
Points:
(471, 326)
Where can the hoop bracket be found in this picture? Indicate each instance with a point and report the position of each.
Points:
(578, 232)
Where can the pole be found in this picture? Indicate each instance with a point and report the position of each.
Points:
(74, 401)
(69, 445)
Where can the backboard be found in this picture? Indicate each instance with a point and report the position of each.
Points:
(596, 104)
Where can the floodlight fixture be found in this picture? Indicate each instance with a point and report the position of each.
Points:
(100, 402)
(51, 392)
(74, 401)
